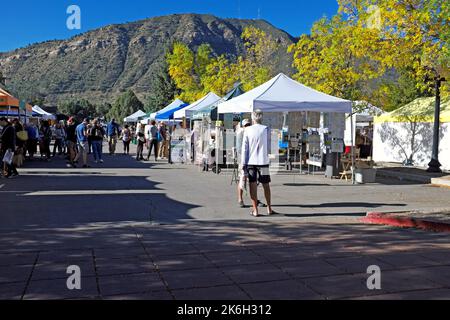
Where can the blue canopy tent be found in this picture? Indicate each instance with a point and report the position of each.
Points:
(168, 115)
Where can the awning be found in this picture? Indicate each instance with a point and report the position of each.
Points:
(283, 94)
(135, 116)
(187, 112)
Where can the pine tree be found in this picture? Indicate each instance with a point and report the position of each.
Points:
(164, 90)
(125, 105)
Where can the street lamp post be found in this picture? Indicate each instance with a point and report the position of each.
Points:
(434, 165)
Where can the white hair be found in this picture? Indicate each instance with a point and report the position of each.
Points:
(257, 116)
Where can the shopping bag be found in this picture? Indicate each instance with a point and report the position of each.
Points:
(8, 157)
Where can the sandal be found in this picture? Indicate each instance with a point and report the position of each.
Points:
(272, 213)
(253, 214)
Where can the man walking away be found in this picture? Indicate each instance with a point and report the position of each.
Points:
(153, 136)
(255, 160)
(96, 134)
(33, 138)
(113, 133)
(72, 141)
(59, 136)
(8, 139)
(82, 139)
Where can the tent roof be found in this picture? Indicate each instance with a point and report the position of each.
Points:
(207, 100)
(46, 115)
(283, 94)
(169, 114)
(6, 99)
(366, 112)
(419, 110)
(235, 92)
(172, 106)
(134, 117)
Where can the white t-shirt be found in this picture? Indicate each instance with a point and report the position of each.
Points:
(255, 146)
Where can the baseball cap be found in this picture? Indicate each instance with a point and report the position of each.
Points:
(246, 122)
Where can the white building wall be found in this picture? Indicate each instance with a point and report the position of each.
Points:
(393, 142)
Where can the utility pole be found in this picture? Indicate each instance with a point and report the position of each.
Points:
(434, 165)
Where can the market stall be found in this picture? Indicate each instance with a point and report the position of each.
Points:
(13, 107)
(174, 106)
(42, 114)
(205, 125)
(406, 134)
(362, 117)
(134, 118)
(188, 111)
(319, 117)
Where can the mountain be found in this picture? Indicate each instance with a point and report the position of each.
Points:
(100, 64)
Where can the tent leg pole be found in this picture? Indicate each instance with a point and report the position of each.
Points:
(353, 148)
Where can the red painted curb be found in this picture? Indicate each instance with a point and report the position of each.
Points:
(404, 222)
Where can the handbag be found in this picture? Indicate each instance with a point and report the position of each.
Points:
(8, 157)
(22, 135)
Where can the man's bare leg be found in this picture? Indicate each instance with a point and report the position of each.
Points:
(254, 197)
(268, 196)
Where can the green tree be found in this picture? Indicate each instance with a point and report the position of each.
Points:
(101, 110)
(164, 90)
(125, 105)
(79, 108)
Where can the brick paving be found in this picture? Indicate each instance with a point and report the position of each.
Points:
(163, 244)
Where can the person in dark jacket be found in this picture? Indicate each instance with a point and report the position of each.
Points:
(71, 141)
(45, 136)
(8, 144)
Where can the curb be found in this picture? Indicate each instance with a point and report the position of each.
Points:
(391, 219)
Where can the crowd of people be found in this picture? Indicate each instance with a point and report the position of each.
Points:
(75, 141)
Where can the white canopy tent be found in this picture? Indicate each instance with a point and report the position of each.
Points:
(43, 114)
(207, 100)
(135, 116)
(283, 94)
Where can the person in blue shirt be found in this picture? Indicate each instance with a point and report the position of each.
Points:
(113, 132)
(82, 141)
(33, 138)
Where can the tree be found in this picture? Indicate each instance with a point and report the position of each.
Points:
(164, 90)
(181, 66)
(125, 105)
(340, 57)
(101, 110)
(79, 108)
(257, 65)
(418, 34)
(198, 73)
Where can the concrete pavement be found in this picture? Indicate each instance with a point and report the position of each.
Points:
(156, 231)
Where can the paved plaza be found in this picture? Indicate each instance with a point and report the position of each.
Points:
(158, 231)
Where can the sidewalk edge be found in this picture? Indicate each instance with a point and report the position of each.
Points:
(391, 219)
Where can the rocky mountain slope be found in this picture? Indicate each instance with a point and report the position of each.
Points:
(101, 63)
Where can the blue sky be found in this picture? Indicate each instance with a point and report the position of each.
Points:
(29, 21)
